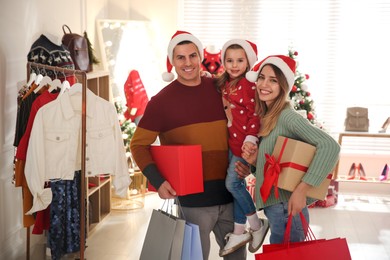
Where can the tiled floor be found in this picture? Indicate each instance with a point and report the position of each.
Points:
(364, 220)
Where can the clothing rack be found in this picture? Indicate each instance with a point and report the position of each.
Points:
(83, 77)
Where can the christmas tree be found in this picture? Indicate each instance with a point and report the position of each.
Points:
(127, 126)
(300, 96)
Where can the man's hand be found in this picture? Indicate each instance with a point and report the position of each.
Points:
(242, 170)
(166, 191)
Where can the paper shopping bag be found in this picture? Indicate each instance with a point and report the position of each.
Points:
(178, 239)
(186, 249)
(319, 249)
(192, 248)
(324, 249)
(275, 247)
(160, 235)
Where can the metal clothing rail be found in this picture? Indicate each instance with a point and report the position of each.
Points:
(83, 77)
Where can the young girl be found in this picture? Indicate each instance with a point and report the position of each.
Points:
(238, 95)
(274, 77)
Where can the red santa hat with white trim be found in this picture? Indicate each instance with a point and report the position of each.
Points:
(249, 47)
(177, 38)
(286, 64)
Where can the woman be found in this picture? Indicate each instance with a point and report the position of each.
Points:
(274, 77)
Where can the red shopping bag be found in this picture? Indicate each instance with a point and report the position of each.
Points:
(319, 249)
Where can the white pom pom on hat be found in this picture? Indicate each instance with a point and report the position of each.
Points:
(177, 38)
(252, 75)
(250, 49)
(286, 64)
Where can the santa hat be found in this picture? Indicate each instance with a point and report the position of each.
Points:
(177, 38)
(249, 47)
(284, 63)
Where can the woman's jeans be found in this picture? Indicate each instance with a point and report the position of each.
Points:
(243, 202)
(277, 216)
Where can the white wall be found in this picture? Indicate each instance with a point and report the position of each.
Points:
(21, 23)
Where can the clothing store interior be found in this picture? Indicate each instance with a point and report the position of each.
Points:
(101, 212)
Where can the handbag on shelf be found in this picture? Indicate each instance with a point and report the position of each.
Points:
(77, 45)
(357, 119)
(312, 248)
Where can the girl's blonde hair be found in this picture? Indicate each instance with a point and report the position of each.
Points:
(269, 115)
(221, 80)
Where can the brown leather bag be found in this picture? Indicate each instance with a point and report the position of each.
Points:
(357, 119)
(78, 48)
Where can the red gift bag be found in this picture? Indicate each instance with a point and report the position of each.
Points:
(181, 166)
(318, 249)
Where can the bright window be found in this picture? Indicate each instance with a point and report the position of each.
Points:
(342, 44)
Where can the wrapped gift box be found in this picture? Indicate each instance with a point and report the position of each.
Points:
(251, 185)
(181, 166)
(295, 158)
(330, 200)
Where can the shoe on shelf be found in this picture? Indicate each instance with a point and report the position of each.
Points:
(352, 172)
(384, 173)
(362, 173)
(258, 236)
(385, 125)
(234, 242)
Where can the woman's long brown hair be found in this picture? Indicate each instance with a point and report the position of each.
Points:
(270, 115)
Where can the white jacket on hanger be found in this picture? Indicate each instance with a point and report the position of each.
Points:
(54, 150)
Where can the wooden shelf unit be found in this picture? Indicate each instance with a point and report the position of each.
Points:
(99, 200)
(99, 196)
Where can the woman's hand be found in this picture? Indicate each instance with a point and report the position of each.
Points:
(297, 200)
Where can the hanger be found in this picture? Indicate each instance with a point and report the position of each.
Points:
(31, 79)
(65, 85)
(43, 82)
(38, 79)
(56, 83)
(31, 85)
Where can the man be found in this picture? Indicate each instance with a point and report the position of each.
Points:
(189, 111)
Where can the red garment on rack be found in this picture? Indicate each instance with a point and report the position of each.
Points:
(136, 97)
(40, 101)
(21, 151)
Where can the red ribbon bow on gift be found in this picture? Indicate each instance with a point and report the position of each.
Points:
(272, 169)
(271, 175)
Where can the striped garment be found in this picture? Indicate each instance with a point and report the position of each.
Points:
(292, 125)
(180, 114)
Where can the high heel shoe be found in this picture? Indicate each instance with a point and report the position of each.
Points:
(352, 172)
(385, 173)
(362, 173)
(385, 125)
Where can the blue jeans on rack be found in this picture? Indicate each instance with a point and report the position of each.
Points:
(243, 204)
